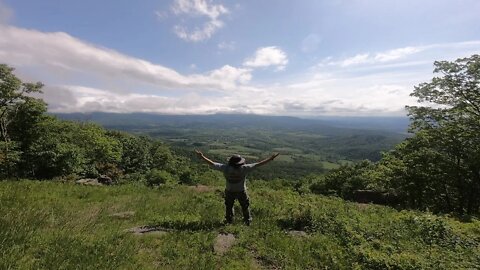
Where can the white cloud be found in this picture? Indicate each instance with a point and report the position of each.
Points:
(198, 8)
(83, 77)
(357, 59)
(375, 58)
(232, 74)
(198, 34)
(396, 54)
(226, 46)
(87, 99)
(65, 55)
(268, 56)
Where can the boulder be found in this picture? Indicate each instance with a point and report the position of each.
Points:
(105, 180)
(223, 242)
(88, 181)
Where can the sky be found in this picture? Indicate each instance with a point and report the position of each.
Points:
(300, 58)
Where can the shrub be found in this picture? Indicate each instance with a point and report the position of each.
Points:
(135, 177)
(188, 177)
(159, 177)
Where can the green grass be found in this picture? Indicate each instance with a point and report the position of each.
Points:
(287, 150)
(50, 225)
(329, 165)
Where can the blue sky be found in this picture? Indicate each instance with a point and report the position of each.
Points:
(304, 58)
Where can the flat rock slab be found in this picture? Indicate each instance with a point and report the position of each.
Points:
(223, 242)
(123, 215)
(89, 181)
(143, 230)
(297, 233)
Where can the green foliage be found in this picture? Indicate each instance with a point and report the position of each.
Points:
(447, 135)
(159, 177)
(48, 225)
(15, 101)
(188, 177)
(64, 148)
(40, 146)
(437, 169)
(345, 180)
(135, 156)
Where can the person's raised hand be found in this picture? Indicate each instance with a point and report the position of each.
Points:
(200, 154)
(274, 156)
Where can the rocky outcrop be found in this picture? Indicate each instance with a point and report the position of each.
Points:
(99, 181)
(223, 242)
(89, 182)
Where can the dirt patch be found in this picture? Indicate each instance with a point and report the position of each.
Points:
(223, 242)
(123, 215)
(201, 188)
(143, 230)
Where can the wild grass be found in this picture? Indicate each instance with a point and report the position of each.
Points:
(51, 225)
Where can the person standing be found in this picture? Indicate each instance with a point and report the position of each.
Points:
(235, 172)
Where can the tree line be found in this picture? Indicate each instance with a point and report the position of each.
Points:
(438, 168)
(36, 145)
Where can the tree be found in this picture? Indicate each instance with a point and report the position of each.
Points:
(437, 169)
(345, 180)
(13, 93)
(136, 156)
(25, 131)
(448, 125)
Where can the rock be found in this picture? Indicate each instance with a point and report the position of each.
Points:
(297, 233)
(143, 230)
(223, 242)
(123, 215)
(103, 179)
(88, 181)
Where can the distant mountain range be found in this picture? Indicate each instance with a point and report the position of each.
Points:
(127, 121)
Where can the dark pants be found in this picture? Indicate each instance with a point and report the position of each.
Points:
(244, 201)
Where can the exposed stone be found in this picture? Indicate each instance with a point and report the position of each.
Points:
(88, 181)
(223, 242)
(297, 233)
(143, 230)
(103, 179)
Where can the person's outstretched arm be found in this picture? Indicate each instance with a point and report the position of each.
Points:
(265, 161)
(200, 154)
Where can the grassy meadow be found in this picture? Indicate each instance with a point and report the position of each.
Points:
(54, 225)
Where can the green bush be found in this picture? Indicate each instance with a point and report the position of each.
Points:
(188, 177)
(159, 177)
(135, 177)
